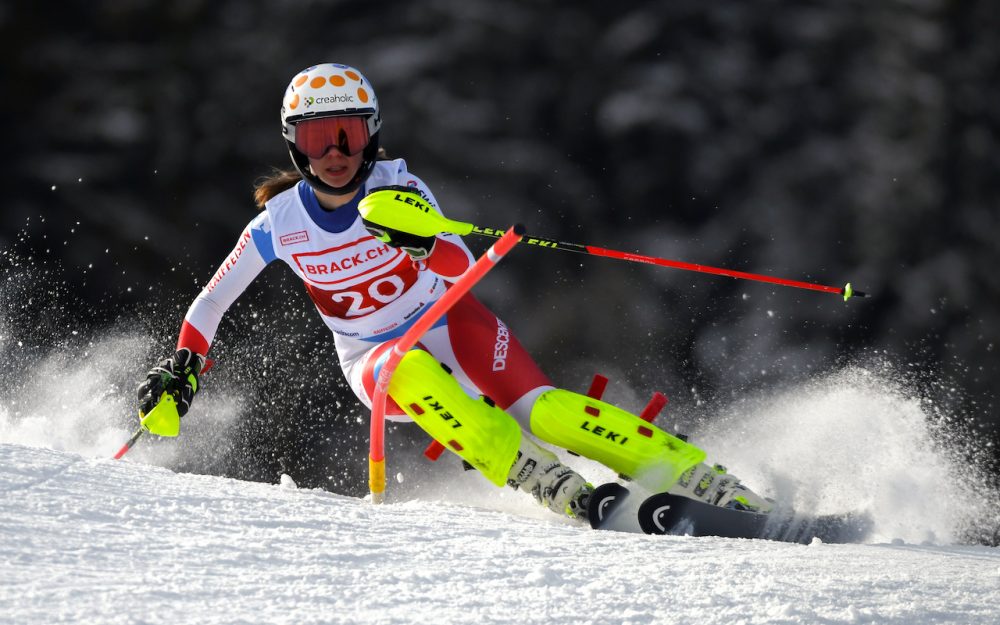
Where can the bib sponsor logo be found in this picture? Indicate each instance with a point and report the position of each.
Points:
(388, 328)
(501, 346)
(356, 280)
(352, 262)
(296, 237)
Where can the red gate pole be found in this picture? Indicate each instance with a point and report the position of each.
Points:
(486, 262)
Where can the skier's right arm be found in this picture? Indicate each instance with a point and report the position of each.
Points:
(178, 374)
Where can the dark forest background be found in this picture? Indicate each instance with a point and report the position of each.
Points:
(821, 141)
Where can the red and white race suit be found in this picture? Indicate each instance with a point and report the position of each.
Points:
(369, 294)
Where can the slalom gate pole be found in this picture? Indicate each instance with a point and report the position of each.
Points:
(847, 292)
(486, 262)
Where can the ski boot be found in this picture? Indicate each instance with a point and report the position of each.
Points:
(553, 484)
(637, 449)
(714, 485)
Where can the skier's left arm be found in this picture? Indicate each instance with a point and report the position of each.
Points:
(444, 253)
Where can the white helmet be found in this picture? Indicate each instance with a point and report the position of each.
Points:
(330, 90)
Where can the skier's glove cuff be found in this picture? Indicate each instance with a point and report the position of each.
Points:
(401, 217)
(418, 247)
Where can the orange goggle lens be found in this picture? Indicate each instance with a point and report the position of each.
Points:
(315, 137)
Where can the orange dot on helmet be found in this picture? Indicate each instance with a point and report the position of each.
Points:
(301, 80)
(362, 95)
(352, 75)
(294, 102)
(317, 82)
(337, 81)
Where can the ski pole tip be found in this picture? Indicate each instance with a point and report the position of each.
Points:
(848, 292)
(519, 230)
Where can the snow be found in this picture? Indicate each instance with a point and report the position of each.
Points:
(86, 539)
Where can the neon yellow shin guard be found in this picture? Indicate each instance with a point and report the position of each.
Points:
(481, 434)
(617, 439)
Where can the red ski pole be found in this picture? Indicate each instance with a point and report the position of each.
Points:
(847, 291)
(423, 222)
(128, 444)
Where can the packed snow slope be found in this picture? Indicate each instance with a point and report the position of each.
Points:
(91, 540)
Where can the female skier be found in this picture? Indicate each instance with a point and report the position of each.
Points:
(371, 281)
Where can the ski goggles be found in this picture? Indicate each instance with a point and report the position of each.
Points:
(315, 137)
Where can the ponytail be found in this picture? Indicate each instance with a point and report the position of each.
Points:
(269, 186)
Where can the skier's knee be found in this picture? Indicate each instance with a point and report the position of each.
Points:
(474, 428)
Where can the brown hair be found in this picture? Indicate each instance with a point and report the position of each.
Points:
(269, 186)
(280, 180)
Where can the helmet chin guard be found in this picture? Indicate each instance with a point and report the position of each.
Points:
(330, 90)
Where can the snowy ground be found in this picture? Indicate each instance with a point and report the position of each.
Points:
(84, 539)
(91, 540)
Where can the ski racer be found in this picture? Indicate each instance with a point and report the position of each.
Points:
(470, 383)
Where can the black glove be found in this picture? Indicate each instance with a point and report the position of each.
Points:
(177, 375)
(418, 247)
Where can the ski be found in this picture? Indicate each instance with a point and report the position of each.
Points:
(604, 502)
(664, 513)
